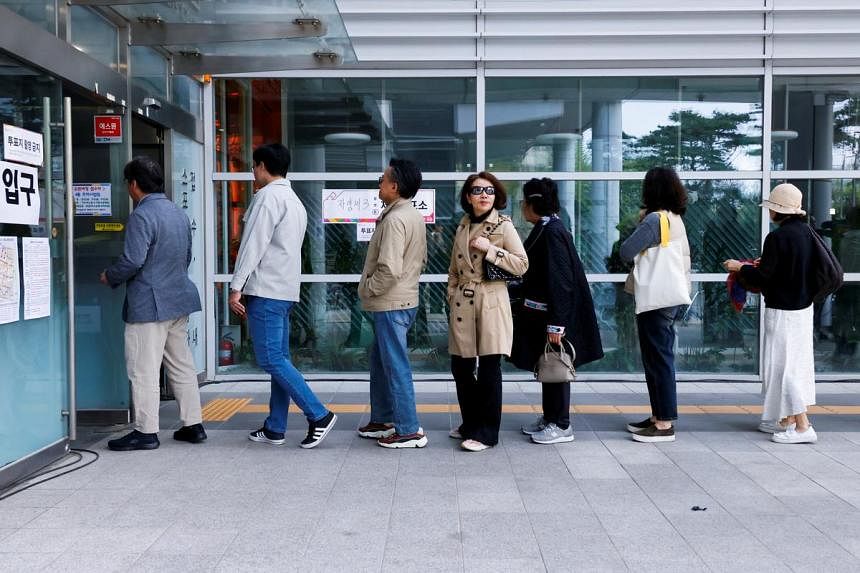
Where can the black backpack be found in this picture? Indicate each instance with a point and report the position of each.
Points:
(828, 273)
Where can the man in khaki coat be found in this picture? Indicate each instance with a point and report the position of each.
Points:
(389, 292)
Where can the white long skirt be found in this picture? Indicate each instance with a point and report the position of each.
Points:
(788, 363)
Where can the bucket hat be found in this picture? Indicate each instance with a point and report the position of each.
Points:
(786, 199)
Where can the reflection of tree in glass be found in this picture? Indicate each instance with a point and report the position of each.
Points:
(721, 220)
(846, 132)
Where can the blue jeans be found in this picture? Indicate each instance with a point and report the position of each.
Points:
(657, 342)
(392, 396)
(269, 326)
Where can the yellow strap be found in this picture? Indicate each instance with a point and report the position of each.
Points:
(664, 229)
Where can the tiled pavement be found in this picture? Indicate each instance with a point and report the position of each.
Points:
(602, 503)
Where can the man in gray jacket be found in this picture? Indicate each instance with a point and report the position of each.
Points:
(159, 297)
(268, 271)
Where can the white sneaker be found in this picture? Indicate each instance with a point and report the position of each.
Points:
(455, 433)
(552, 434)
(792, 436)
(772, 427)
(474, 446)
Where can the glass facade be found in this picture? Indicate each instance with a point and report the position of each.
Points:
(595, 135)
(95, 36)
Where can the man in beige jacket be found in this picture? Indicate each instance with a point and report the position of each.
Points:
(389, 292)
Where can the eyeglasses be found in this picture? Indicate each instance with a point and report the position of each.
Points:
(380, 179)
(478, 190)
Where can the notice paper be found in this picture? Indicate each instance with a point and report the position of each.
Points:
(10, 292)
(37, 277)
(92, 199)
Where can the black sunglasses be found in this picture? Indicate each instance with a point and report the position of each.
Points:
(478, 190)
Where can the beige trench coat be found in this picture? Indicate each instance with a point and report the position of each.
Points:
(480, 321)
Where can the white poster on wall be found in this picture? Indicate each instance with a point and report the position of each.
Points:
(37, 277)
(22, 145)
(92, 199)
(10, 292)
(364, 205)
(19, 194)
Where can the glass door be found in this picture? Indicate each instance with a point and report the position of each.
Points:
(34, 357)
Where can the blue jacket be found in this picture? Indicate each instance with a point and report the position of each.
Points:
(154, 263)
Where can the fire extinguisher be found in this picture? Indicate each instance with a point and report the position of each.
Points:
(225, 351)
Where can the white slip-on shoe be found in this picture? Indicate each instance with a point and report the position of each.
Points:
(474, 446)
(455, 433)
(792, 436)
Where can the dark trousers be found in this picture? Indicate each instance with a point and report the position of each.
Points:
(657, 341)
(480, 397)
(556, 404)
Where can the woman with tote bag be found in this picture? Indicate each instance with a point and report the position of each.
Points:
(661, 276)
(556, 305)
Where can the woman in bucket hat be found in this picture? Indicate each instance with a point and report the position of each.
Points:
(785, 275)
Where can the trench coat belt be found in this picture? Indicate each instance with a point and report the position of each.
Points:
(465, 318)
(468, 288)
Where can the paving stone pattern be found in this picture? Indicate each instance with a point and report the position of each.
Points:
(602, 503)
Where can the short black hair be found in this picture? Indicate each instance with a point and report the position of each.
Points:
(662, 190)
(146, 172)
(407, 176)
(500, 198)
(275, 157)
(542, 196)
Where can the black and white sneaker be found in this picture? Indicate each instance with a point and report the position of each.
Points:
(317, 431)
(267, 437)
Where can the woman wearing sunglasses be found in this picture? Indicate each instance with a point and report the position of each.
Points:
(480, 327)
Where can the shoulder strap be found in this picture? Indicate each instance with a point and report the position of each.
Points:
(664, 229)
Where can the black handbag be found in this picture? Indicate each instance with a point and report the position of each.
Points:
(494, 272)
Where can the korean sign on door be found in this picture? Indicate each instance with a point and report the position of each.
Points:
(22, 145)
(19, 194)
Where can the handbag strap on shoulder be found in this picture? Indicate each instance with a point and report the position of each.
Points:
(664, 229)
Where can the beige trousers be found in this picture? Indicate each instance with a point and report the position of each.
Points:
(147, 344)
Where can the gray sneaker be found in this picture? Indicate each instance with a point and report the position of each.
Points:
(552, 434)
(535, 427)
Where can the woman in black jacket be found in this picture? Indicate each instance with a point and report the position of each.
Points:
(556, 304)
(785, 273)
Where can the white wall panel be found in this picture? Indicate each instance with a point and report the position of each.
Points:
(409, 25)
(541, 24)
(414, 49)
(816, 46)
(816, 22)
(650, 48)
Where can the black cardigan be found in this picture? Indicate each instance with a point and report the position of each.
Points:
(556, 278)
(786, 272)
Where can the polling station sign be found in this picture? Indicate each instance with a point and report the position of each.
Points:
(22, 145)
(364, 205)
(19, 194)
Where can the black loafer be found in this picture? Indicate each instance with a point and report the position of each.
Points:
(134, 441)
(193, 434)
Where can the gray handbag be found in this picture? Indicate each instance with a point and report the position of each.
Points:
(556, 366)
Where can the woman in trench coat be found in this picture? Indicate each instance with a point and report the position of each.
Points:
(480, 327)
(556, 305)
